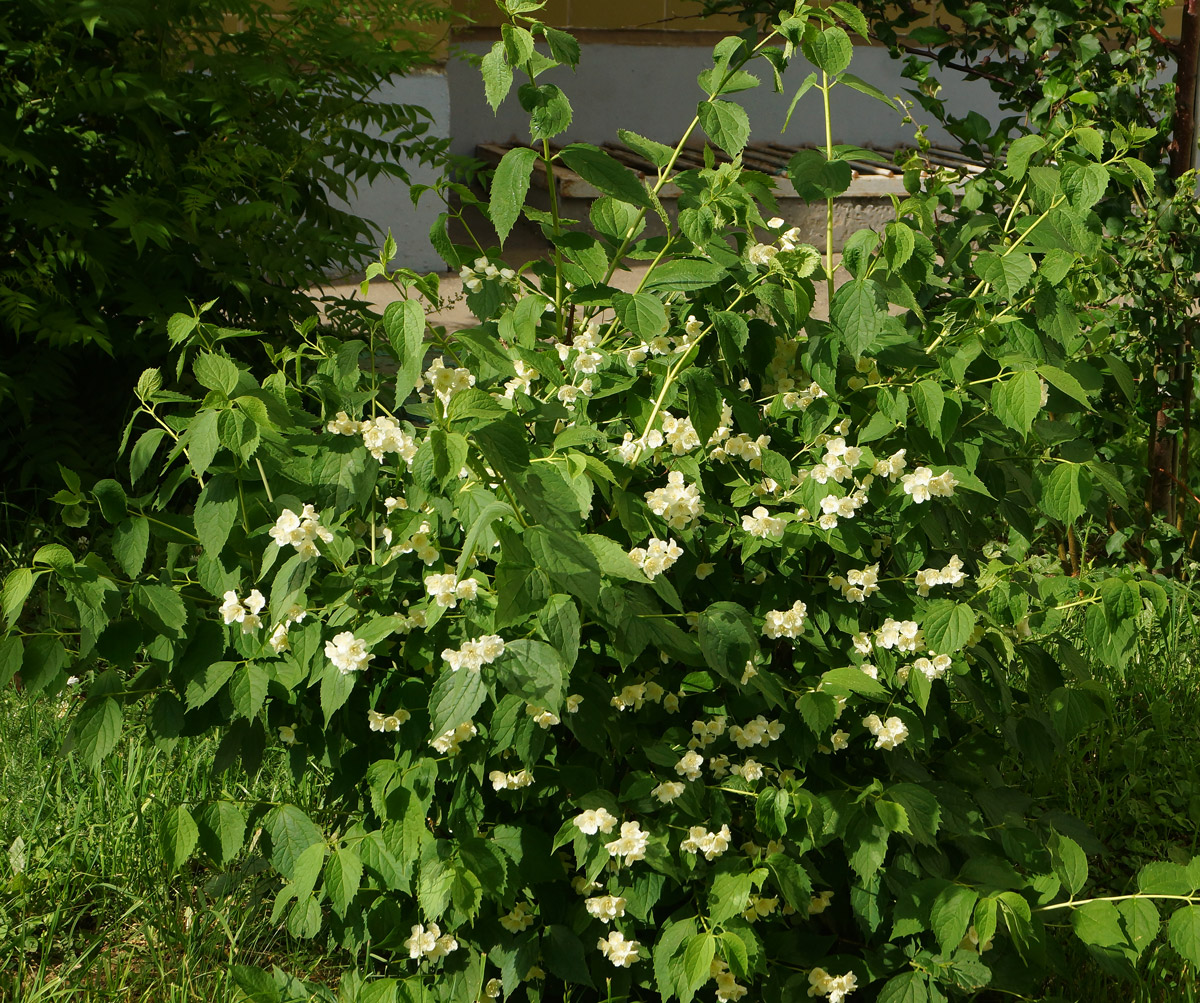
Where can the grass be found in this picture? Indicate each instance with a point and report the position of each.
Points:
(94, 914)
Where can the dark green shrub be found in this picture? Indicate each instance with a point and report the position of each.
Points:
(154, 153)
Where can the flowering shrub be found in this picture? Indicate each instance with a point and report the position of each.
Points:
(658, 643)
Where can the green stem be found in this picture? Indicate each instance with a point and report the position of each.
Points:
(825, 88)
(1074, 903)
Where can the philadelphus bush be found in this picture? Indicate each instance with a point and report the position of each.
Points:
(658, 644)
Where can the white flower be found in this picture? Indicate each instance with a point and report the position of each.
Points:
(594, 820)
(775, 223)
(761, 254)
(711, 844)
(857, 584)
(694, 328)
(862, 642)
(347, 652)
(502, 781)
(343, 424)
(762, 524)
(728, 990)
(892, 467)
(689, 765)
(903, 635)
(429, 943)
(668, 791)
(631, 845)
(679, 434)
(573, 702)
(618, 950)
(952, 574)
(301, 531)
(632, 695)
(519, 919)
(605, 908)
(656, 557)
(287, 734)
(245, 612)
(836, 987)
(819, 902)
(888, 734)
(751, 769)
(677, 502)
(473, 655)
(447, 382)
(446, 589)
(541, 717)
(383, 435)
(448, 742)
(588, 362)
(785, 623)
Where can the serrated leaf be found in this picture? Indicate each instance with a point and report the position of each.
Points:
(950, 915)
(222, 829)
(455, 698)
(1065, 493)
(510, 185)
(1070, 862)
(130, 544)
(641, 313)
(343, 876)
(215, 372)
(830, 50)
(907, 988)
(206, 683)
(1019, 153)
(850, 679)
(929, 401)
(858, 314)
(404, 325)
(178, 836)
(497, 76)
(98, 730)
(18, 583)
(697, 960)
(248, 690)
(1060, 379)
(1018, 400)
(1164, 878)
(602, 170)
(726, 124)
(947, 625)
(1098, 924)
(658, 154)
(292, 832)
(728, 895)
(1007, 273)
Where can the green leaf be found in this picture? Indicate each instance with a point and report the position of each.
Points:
(656, 153)
(858, 313)
(479, 531)
(704, 402)
(1018, 400)
(216, 512)
(54, 555)
(18, 583)
(497, 76)
(906, 988)
(668, 965)
(815, 178)
(1060, 379)
(563, 47)
(1070, 862)
(216, 372)
(1065, 493)
(830, 50)
(143, 453)
(207, 683)
(549, 110)
(510, 185)
(12, 653)
(130, 544)
(606, 173)
(178, 836)
(535, 671)
(727, 896)
(697, 960)
(793, 881)
(684, 275)
(1142, 172)
(292, 832)
(1007, 273)
(1098, 924)
(248, 690)
(921, 807)
(202, 440)
(929, 402)
(852, 16)
(726, 124)
(1019, 153)
(565, 955)
(455, 698)
(404, 325)
(870, 90)
(950, 915)
(222, 830)
(727, 638)
(641, 313)
(1142, 922)
(336, 687)
(343, 876)
(114, 505)
(257, 985)
(1163, 878)
(947, 625)
(1084, 184)
(97, 731)
(851, 679)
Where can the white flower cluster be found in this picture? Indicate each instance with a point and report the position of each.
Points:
(922, 485)
(347, 652)
(388, 722)
(903, 635)
(502, 781)
(785, 623)
(428, 943)
(932, 668)
(474, 275)
(605, 908)
(818, 903)
(762, 524)
(569, 393)
(300, 531)
(519, 919)
(447, 382)
(834, 507)
(706, 732)
(951, 574)
(836, 987)
(759, 907)
(473, 655)
(701, 840)
(892, 467)
(888, 734)
(761, 254)
(421, 544)
(857, 585)
(678, 502)
(838, 463)
(410, 622)
(742, 447)
(279, 636)
(245, 612)
(760, 731)
(523, 381)
(656, 557)
(448, 742)
(618, 950)
(667, 344)
(543, 718)
(446, 589)
(594, 820)
(380, 436)
(679, 434)
(633, 695)
(751, 769)
(728, 990)
(631, 845)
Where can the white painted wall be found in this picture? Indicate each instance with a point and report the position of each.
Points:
(386, 202)
(652, 90)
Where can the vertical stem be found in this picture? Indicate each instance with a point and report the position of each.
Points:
(825, 87)
(1185, 445)
(558, 278)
